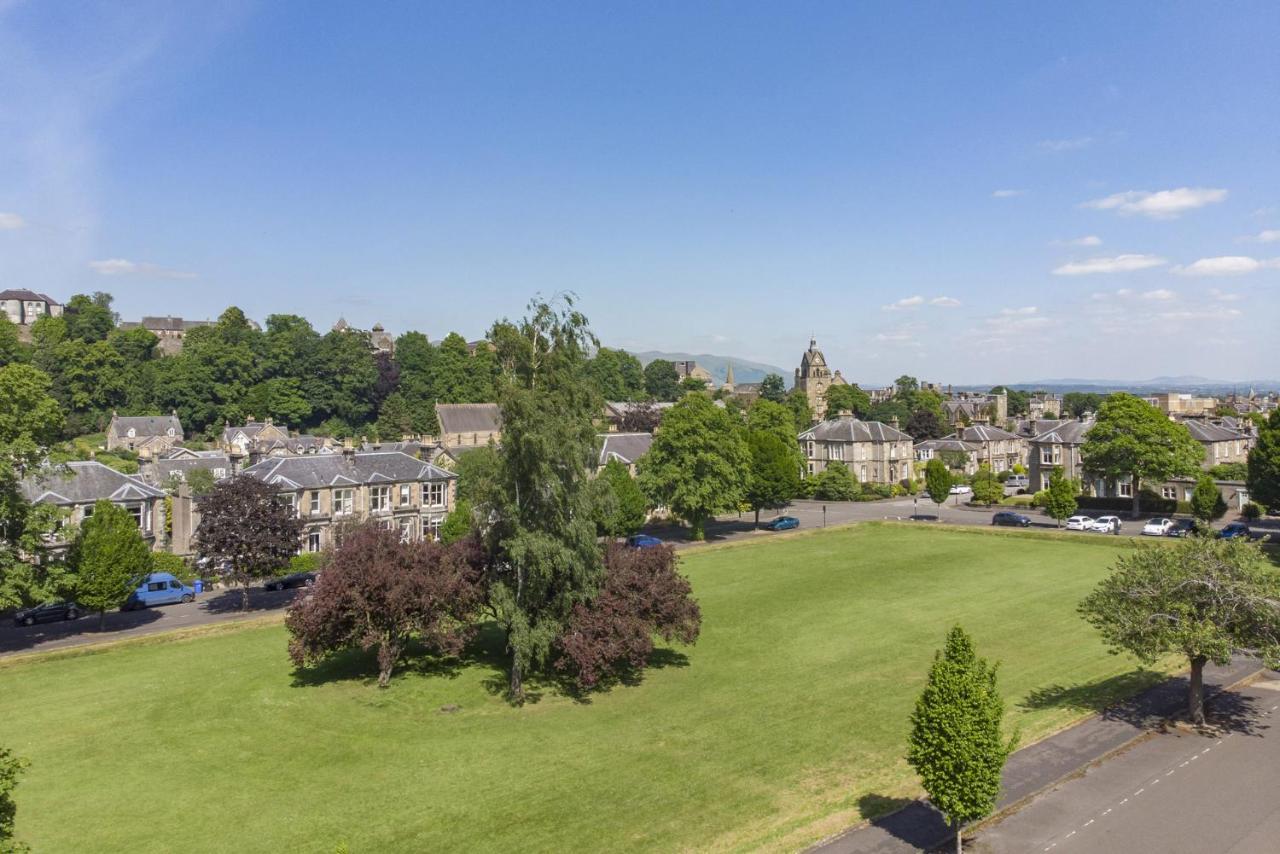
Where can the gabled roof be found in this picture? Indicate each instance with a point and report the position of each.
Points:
(26, 296)
(1065, 433)
(624, 447)
(849, 429)
(468, 418)
(314, 471)
(948, 443)
(84, 482)
(159, 471)
(1205, 432)
(985, 433)
(1030, 427)
(147, 425)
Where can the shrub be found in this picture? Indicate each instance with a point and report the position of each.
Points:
(171, 563)
(1252, 511)
(303, 562)
(836, 484)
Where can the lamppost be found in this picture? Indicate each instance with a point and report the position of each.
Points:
(824, 515)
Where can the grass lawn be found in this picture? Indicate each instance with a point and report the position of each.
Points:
(785, 723)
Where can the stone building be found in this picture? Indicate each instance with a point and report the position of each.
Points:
(24, 307)
(1221, 444)
(468, 424)
(77, 486)
(998, 448)
(171, 331)
(959, 455)
(1059, 446)
(813, 377)
(874, 452)
(148, 435)
(626, 448)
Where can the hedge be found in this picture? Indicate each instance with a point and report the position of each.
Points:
(1146, 504)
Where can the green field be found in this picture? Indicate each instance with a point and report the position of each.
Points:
(785, 723)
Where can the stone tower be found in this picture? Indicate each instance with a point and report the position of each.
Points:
(814, 378)
(728, 378)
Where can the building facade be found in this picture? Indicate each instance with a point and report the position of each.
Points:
(1059, 446)
(1221, 444)
(873, 452)
(814, 377)
(24, 307)
(998, 448)
(960, 456)
(468, 425)
(147, 435)
(171, 331)
(77, 486)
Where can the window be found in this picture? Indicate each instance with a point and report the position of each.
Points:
(808, 449)
(405, 495)
(893, 451)
(219, 473)
(155, 586)
(313, 540)
(343, 502)
(1046, 456)
(407, 529)
(138, 513)
(835, 451)
(1124, 489)
(433, 494)
(863, 475)
(1169, 492)
(289, 500)
(175, 585)
(379, 499)
(315, 502)
(87, 512)
(810, 468)
(431, 527)
(132, 432)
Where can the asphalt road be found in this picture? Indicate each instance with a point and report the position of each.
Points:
(1179, 791)
(212, 607)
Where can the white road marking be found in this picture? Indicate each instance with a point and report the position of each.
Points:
(1170, 771)
(1069, 835)
(1183, 765)
(1089, 822)
(1125, 801)
(1194, 758)
(1140, 791)
(1207, 749)
(1104, 812)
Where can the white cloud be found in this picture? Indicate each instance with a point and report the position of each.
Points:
(1074, 144)
(945, 302)
(1201, 314)
(1116, 264)
(1225, 265)
(1223, 296)
(123, 267)
(1006, 194)
(1087, 240)
(11, 222)
(905, 302)
(1270, 235)
(1159, 294)
(1165, 204)
(1025, 311)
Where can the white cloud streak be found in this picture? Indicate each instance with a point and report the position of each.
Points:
(1270, 235)
(1164, 204)
(945, 302)
(11, 222)
(1006, 194)
(905, 302)
(1060, 145)
(1225, 265)
(124, 267)
(1115, 264)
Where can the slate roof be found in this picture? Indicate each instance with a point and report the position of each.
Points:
(947, 443)
(84, 482)
(316, 471)
(984, 433)
(27, 296)
(1204, 432)
(624, 447)
(1029, 428)
(468, 418)
(850, 429)
(1064, 433)
(159, 471)
(147, 425)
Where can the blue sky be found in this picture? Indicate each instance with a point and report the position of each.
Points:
(983, 194)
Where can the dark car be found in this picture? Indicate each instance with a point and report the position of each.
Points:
(1233, 531)
(293, 579)
(1182, 528)
(47, 613)
(643, 541)
(782, 523)
(1008, 517)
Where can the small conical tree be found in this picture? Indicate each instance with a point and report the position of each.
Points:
(955, 742)
(1060, 503)
(106, 555)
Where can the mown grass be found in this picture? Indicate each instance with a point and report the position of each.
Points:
(782, 725)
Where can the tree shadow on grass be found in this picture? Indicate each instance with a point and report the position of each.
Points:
(358, 665)
(1122, 697)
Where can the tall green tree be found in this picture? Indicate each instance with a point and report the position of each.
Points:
(89, 318)
(1131, 438)
(776, 419)
(626, 505)
(539, 532)
(773, 479)
(617, 375)
(1060, 502)
(1203, 598)
(107, 554)
(956, 745)
(1077, 403)
(661, 382)
(11, 348)
(801, 412)
(835, 483)
(697, 464)
(925, 424)
(847, 398)
(11, 767)
(1264, 464)
(937, 480)
(1207, 502)
(773, 388)
(987, 487)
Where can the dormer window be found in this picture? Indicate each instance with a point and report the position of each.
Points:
(172, 432)
(132, 432)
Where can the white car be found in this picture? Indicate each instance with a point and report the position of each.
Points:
(1079, 523)
(1157, 528)
(961, 489)
(1106, 524)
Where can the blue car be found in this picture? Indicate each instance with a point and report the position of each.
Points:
(782, 523)
(158, 588)
(643, 541)
(1234, 530)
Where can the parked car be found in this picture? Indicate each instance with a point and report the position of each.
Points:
(782, 523)
(293, 579)
(1234, 530)
(1157, 528)
(1182, 528)
(1008, 517)
(1079, 523)
(961, 489)
(643, 541)
(158, 588)
(1107, 525)
(47, 612)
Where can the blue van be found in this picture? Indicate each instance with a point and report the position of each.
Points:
(158, 588)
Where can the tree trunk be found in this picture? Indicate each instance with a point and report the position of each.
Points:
(244, 595)
(102, 619)
(698, 528)
(757, 517)
(517, 682)
(388, 654)
(959, 839)
(1137, 506)
(1195, 699)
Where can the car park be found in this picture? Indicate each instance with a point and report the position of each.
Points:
(293, 579)
(158, 588)
(47, 612)
(643, 541)
(961, 489)
(1234, 530)
(1159, 527)
(1079, 523)
(782, 523)
(1008, 517)
(1182, 528)
(1107, 525)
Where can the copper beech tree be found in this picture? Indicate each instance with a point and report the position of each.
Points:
(378, 592)
(245, 533)
(641, 596)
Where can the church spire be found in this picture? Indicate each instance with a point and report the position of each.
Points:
(728, 377)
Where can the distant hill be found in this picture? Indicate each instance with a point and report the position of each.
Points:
(1179, 383)
(744, 371)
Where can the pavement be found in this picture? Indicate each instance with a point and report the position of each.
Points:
(1036, 768)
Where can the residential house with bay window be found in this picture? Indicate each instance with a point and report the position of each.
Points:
(398, 490)
(77, 486)
(874, 452)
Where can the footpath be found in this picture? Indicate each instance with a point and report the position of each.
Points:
(919, 827)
